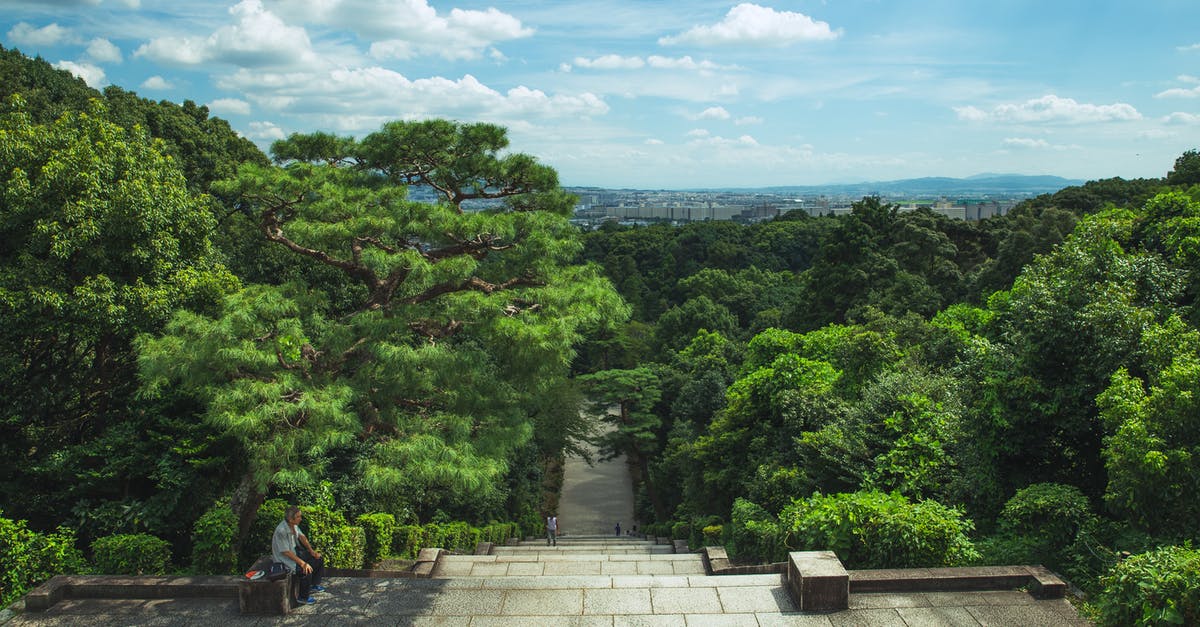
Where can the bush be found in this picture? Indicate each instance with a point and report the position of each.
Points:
(29, 558)
(379, 530)
(681, 530)
(213, 537)
(712, 535)
(1051, 511)
(877, 530)
(407, 541)
(755, 534)
(131, 554)
(1160, 587)
(343, 547)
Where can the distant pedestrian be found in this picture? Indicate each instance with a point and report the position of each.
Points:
(552, 530)
(618, 529)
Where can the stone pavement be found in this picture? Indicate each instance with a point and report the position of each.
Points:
(595, 498)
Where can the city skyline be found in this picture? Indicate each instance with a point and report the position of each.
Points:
(672, 95)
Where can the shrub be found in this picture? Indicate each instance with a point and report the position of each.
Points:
(213, 537)
(343, 546)
(131, 554)
(877, 530)
(379, 530)
(1159, 587)
(712, 535)
(681, 530)
(28, 558)
(407, 541)
(754, 533)
(1051, 511)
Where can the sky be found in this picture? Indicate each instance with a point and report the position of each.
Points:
(657, 94)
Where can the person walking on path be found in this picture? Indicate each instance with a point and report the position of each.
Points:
(552, 530)
(618, 529)
(290, 546)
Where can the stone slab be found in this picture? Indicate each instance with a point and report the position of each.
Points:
(617, 601)
(685, 601)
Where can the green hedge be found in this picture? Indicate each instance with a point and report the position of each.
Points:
(213, 537)
(878, 530)
(28, 558)
(1160, 587)
(407, 541)
(131, 554)
(755, 534)
(379, 530)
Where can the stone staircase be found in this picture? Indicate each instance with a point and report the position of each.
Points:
(597, 579)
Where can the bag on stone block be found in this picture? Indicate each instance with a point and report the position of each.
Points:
(275, 571)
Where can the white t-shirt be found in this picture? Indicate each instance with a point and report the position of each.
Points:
(552, 523)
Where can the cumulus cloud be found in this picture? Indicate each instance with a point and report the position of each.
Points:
(91, 74)
(752, 24)
(379, 93)
(157, 82)
(618, 62)
(265, 131)
(1183, 119)
(749, 119)
(712, 113)
(26, 34)
(610, 62)
(1188, 48)
(654, 142)
(103, 51)
(1179, 92)
(1051, 109)
(229, 106)
(258, 38)
(1025, 142)
(697, 132)
(409, 28)
(743, 141)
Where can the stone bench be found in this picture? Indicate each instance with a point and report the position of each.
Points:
(261, 596)
(818, 581)
(62, 587)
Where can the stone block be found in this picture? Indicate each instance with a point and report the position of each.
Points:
(267, 597)
(818, 581)
(1044, 584)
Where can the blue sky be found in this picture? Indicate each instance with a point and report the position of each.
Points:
(658, 94)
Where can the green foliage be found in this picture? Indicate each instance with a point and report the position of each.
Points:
(1047, 510)
(380, 529)
(131, 554)
(258, 540)
(753, 533)
(407, 541)
(713, 535)
(877, 530)
(29, 558)
(1160, 587)
(214, 537)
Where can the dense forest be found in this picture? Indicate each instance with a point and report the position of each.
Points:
(196, 332)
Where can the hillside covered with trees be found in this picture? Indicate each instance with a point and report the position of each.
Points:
(196, 332)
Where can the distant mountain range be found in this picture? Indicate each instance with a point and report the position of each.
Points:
(980, 184)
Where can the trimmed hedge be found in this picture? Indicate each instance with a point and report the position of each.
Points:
(131, 554)
(379, 530)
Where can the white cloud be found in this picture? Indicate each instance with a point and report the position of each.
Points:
(1184, 78)
(229, 106)
(618, 62)
(409, 28)
(1025, 142)
(654, 142)
(698, 132)
(103, 51)
(749, 119)
(1188, 48)
(1051, 109)
(265, 131)
(712, 113)
(1179, 92)
(157, 82)
(610, 62)
(376, 94)
(1182, 118)
(259, 38)
(749, 23)
(744, 141)
(91, 74)
(26, 34)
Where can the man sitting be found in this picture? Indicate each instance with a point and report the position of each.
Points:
(290, 546)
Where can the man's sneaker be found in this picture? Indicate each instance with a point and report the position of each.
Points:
(306, 601)
(318, 588)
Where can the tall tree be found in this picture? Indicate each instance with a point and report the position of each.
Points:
(462, 313)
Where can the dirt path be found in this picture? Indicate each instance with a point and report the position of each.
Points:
(595, 498)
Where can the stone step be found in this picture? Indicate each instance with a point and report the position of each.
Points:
(546, 564)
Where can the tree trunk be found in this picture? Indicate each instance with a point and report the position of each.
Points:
(247, 498)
